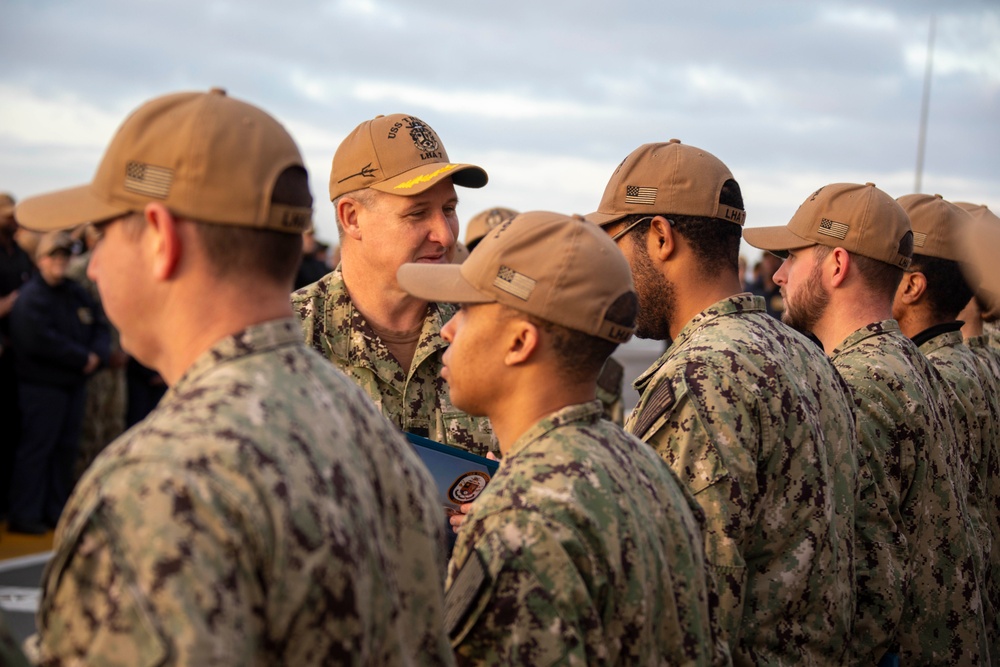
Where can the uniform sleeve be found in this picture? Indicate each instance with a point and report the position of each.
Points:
(515, 595)
(157, 569)
(722, 479)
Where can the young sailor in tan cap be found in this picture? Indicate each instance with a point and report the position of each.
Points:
(583, 548)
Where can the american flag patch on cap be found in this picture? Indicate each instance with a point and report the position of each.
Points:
(637, 195)
(145, 179)
(514, 283)
(919, 239)
(837, 230)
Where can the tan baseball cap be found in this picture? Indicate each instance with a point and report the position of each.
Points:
(665, 178)
(51, 242)
(398, 154)
(980, 245)
(6, 206)
(205, 156)
(936, 225)
(515, 265)
(858, 218)
(481, 223)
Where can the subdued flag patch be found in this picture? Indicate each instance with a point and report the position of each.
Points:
(638, 195)
(515, 283)
(837, 230)
(919, 239)
(146, 179)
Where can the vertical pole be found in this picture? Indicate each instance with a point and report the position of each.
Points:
(924, 108)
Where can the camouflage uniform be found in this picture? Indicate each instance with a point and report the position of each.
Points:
(104, 412)
(583, 550)
(989, 367)
(416, 401)
(263, 514)
(910, 446)
(753, 418)
(609, 391)
(975, 416)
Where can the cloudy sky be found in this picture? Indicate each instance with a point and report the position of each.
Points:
(547, 95)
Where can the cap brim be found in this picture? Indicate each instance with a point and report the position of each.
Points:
(602, 219)
(415, 181)
(980, 243)
(64, 209)
(439, 282)
(775, 239)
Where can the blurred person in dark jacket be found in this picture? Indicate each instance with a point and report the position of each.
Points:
(58, 338)
(16, 268)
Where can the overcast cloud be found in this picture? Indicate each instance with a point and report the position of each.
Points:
(547, 96)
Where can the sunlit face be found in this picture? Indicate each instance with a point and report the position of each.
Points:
(474, 356)
(120, 270)
(52, 267)
(800, 279)
(397, 230)
(657, 296)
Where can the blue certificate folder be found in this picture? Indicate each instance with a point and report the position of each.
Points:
(459, 475)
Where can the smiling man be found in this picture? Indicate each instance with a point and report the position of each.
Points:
(583, 549)
(393, 190)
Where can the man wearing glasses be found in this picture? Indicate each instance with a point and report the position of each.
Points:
(747, 412)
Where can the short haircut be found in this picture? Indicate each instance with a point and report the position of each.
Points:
(879, 277)
(582, 355)
(948, 292)
(268, 253)
(714, 241)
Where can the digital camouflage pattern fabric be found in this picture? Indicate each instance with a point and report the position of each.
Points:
(989, 367)
(609, 391)
(415, 400)
(974, 414)
(753, 418)
(583, 550)
(263, 514)
(909, 444)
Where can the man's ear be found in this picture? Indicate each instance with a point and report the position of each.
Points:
(912, 288)
(163, 240)
(837, 266)
(523, 340)
(348, 211)
(661, 241)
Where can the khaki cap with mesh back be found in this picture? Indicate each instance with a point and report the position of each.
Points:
(398, 154)
(205, 156)
(980, 245)
(515, 265)
(936, 225)
(858, 218)
(481, 223)
(667, 178)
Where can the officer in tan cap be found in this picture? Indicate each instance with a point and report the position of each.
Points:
(848, 247)
(583, 548)
(264, 513)
(393, 190)
(747, 412)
